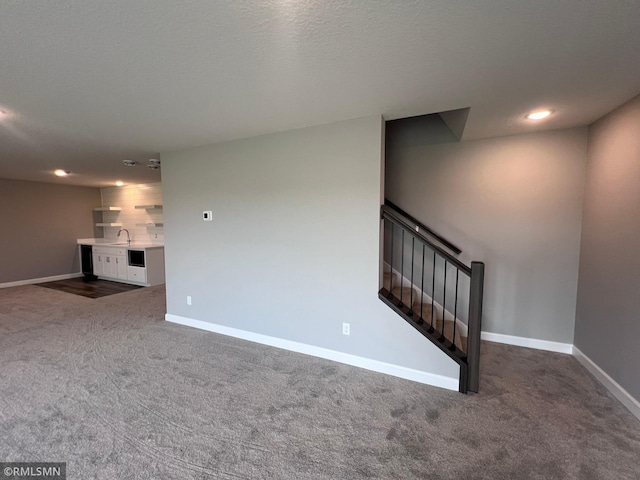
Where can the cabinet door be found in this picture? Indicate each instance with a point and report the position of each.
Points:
(109, 266)
(97, 264)
(121, 267)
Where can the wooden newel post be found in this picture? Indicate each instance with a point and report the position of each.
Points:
(475, 324)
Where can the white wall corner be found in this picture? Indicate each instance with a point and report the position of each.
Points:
(336, 356)
(614, 387)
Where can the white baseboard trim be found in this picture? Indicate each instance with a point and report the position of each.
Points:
(614, 387)
(528, 342)
(341, 357)
(32, 281)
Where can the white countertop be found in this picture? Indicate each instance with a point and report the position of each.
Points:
(107, 242)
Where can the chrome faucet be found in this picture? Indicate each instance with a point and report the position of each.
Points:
(128, 237)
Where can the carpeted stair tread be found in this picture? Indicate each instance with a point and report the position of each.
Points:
(426, 310)
(407, 296)
(386, 279)
(461, 342)
(425, 314)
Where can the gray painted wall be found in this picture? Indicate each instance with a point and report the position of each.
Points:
(514, 203)
(608, 311)
(40, 225)
(293, 249)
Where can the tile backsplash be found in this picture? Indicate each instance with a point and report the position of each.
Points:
(133, 219)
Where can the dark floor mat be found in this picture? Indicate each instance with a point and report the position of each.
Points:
(89, 289)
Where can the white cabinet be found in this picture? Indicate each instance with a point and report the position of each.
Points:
(121, 267)
(97, 263)
(137, 274)
(112, 263)
(109, 266)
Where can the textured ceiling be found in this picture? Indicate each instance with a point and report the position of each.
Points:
(89, 83)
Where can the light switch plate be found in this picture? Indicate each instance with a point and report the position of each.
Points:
(207, 215)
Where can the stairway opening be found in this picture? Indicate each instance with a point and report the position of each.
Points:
(422, 278)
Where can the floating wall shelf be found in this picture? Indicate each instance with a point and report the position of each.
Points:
(108, 209)
(149, 224)
(108, 224)
(148, 207)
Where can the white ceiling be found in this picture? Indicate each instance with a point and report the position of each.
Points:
(89, 83)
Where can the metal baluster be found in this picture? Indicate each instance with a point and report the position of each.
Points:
(421, 320)
(413, 248)
(400, 305)
(455, 313)
(444, 299)
(391, 266)
(433, 291)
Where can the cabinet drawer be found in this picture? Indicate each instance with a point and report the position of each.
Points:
(137, 274)
(121, 252)
(105, 250)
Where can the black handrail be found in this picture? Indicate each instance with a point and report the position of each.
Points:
(435, 235)
(389, 213)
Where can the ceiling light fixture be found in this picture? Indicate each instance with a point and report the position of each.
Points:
(129, 163)
(539, 114)
(119, 183)
(153, 167)
(154, 161)
(62, 173)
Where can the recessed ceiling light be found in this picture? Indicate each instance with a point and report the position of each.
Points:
(539, 114)
(62, 173)
(130, 163)
(153, 167)
(119, 183)
(154, 161)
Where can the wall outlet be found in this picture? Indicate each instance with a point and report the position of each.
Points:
(188, 299)
(207, 215)
(346, 329)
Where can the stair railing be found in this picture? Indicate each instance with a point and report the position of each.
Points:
(449, 283)
(420, 226)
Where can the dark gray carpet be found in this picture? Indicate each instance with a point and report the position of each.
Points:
(109, 387)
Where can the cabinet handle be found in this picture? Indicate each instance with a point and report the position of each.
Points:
(99, 258)
(116, 259)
